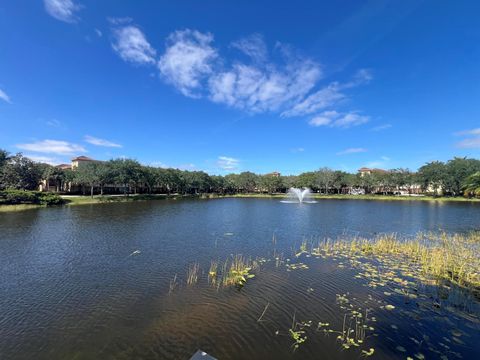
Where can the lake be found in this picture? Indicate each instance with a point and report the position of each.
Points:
(108, 281)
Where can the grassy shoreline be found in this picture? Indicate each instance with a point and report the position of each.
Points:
(97, 199)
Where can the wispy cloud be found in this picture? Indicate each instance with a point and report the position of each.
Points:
(53, 123)
(381, 127)
(5, 97)
(43, 159)
(333, 118)
(352, 151)
(188, 59)
(381, 163)
(100, 142)
(253, 46)
(472, 141)
(327, 96)
(53, 147)
(132, 46)
(189, 167)
(297, 150)
(227, 163)
(468, 132)
(254, 84)
(63, 10)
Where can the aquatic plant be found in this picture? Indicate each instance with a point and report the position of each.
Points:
(212, 272)
(297, 332)
(173, 284)
(451, 257)
(237, 271)
(192, 273)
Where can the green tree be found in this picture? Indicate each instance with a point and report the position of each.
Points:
(471, 184)
(19, 172)
(126, 172)
(88, 175)
(271, 184)
(325, 178)
(433, 176)
(457, 171)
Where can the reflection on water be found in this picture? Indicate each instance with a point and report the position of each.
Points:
(70, 288)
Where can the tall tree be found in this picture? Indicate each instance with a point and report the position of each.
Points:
(19, 172)
(433, 176)
(325, 178)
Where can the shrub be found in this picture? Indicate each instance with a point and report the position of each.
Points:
(12, 197)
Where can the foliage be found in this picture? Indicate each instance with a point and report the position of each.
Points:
(13, 197)
(19, 172)
(471, 185)
(129, 176)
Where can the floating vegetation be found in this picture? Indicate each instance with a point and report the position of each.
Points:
(297, 332)
(192, 273)
(297, 266)
(303, 249)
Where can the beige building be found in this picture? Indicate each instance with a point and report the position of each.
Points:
(81, 161)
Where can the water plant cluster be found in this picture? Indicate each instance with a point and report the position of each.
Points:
(234, 271)
(407, 277)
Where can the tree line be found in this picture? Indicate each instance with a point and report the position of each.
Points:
(456, 177)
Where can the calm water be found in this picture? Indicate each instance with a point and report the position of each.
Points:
(70, 288)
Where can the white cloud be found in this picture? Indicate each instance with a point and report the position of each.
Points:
(98, 32)
(352, 151)
(43, 159)
(382, 163)
(53, 123)
(469, 132)
(472, 141)
(297, 150)
(261, 88)
(188, 59)
(333, 118)
(194, 67)
(100, 142)
(5, 97)
(252, 46)
(53, 147)
(132, 46)
(63, 10)
(321, 99)
(227, 163)
(381, 127)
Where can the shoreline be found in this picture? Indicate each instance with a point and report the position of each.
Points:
(73, 200)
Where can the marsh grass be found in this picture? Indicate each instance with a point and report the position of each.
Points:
(237, 271)
(451, 257)
(192, 273)
(173, 284)
(212, 272)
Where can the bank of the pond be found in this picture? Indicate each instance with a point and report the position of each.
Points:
(360, 197)
(98, 199)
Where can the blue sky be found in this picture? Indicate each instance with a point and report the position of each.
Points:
(229, 86)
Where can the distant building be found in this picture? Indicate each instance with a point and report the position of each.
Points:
(64, 167)
(368, 171)
(274, 174)
(81, 161)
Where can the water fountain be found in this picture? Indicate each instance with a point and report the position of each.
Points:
(298, 195)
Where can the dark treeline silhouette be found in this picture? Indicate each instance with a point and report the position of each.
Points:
(456, 177)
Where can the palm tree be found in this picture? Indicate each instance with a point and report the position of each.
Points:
(471, 185)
